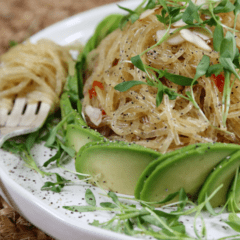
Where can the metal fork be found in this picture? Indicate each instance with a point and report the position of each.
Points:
(24, 118)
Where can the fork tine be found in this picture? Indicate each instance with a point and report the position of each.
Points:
(18, 123)
(15, 115)
(3, 116)
(42, 114)
(29, 116)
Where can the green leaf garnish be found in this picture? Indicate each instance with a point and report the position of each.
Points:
(90, 198)
(224, 7)
(191, 14)
(137, 62)
(55, 186)
(124, 86)
(218, 37)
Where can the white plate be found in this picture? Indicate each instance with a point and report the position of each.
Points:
(21, 186)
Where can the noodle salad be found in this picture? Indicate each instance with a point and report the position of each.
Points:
(151, 109)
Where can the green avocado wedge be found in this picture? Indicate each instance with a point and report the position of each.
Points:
(186, 170)
(77, 136)
(116, 166)
(233, 197)
(223, 173)
(151, 167)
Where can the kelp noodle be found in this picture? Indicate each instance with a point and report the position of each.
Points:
(132, 115)
(37, 71)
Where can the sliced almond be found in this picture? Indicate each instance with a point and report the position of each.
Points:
(174, 40)
(146, 13)
(179, 23)
(194, 39)
(95, 114)
(202, 34)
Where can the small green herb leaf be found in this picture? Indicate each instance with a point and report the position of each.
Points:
(90, 198)
(171, 94)
(53, 158)
(191, 14)
(202, 67)
(234, 222)
(80, 208)
(218, 37)
(137, 62)
(178, 79)
(214, 69)
(228, 47)
(224, 7)
(228, 65)
(114, 197)
(108, 205)
(124, 86)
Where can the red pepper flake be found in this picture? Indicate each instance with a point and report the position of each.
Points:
(92, 92)
(219, 81)
(97, 84)
(103, 112)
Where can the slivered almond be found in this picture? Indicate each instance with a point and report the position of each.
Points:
(95, 114)
(147, 13)
(174, 40)
(179, 23)
(194, 39)
(202, 34)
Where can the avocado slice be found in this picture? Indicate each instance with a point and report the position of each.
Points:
(186, 170)
(233, 196)
(222, 174)
(77, 136)
(151, 166)
(115, 165)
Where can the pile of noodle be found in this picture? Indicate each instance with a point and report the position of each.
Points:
(35, 71)
(132, 116)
